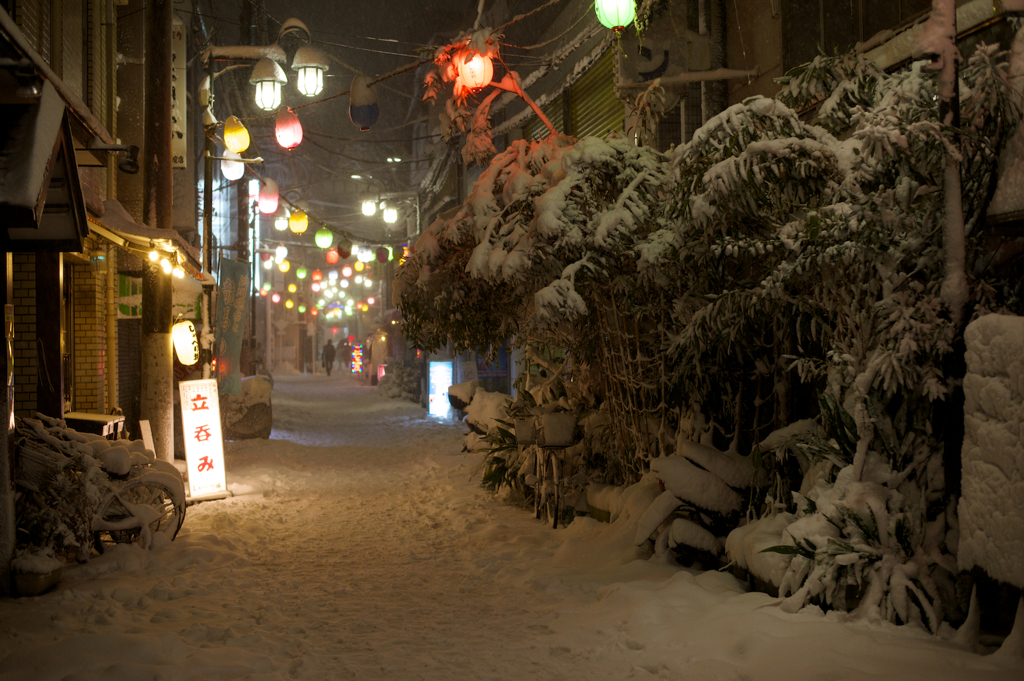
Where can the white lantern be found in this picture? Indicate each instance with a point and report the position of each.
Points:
(232, 170)
(310, 63)
(391, 215)
(281, 218)
(268, 77)
(186, 343)
(281, 252)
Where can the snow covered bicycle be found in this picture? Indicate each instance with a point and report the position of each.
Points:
(150, 500)
(81, 491)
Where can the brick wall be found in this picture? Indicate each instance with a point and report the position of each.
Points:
(33, 18)
(25, 356)
(89, 333)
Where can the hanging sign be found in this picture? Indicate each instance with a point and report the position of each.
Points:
(179, 88)
(204, 445)
(232, 323)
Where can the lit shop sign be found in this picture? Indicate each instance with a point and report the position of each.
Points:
(204, 445)
(357, 359)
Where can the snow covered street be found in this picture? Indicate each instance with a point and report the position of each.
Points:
(360, 545)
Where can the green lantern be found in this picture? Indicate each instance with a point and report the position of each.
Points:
(324, 237)
(615, 14)
(301, 272)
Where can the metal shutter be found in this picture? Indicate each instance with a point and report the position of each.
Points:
(595, 108)
(535, 129)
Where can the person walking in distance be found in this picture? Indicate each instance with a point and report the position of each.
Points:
(329, 353)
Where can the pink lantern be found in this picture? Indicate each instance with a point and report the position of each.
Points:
(289, 130)
(346, 271)
(383, 254)
(269, 196)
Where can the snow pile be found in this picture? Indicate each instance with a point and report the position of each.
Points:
(992, 504)
(485, 410)
(746, 546)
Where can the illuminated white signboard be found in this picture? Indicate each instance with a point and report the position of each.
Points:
(204, 445)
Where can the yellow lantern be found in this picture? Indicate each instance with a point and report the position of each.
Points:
(298, 221)
(292, 288)
(236, 137)
(186, 344)
(289, 304)
(284, 266)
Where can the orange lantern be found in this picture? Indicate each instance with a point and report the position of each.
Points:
(288, 130)
(475, 70)
(317, 275)
(332, 256)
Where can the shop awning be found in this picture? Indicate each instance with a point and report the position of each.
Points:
(40, 192)
(117, 226)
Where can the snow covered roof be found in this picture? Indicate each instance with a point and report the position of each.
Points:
(118, 226)
(40, 192)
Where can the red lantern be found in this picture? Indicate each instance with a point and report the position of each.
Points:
(317, 275)
(289, 130)
(383, 254)
(475, 70)
(344, 253)
(265, 256)
(269, 196)
(332, 257)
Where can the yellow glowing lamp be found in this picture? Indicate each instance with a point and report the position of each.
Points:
(289, 304)
(292, 288)
(236, 137)
(284, 266)
(298, 222)
(186, 343)
(359, 266)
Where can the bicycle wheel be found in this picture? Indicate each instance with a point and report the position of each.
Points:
(140, 508)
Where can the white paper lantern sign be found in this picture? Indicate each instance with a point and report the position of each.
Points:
(186, 342)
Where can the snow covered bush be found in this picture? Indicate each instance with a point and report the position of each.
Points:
(776, 289)
(400, 382)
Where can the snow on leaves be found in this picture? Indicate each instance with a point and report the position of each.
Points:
(765, 249)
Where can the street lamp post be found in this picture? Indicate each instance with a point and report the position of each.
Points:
(265, 83)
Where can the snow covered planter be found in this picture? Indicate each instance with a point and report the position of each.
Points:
(250, 414)
(992, 505)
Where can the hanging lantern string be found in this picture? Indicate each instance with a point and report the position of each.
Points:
(405, 68)
(309, 216)
(390, 74)
(584, 15)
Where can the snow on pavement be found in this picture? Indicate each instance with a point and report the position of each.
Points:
(360, 545)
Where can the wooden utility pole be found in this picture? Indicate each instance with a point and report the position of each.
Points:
(157, 361)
